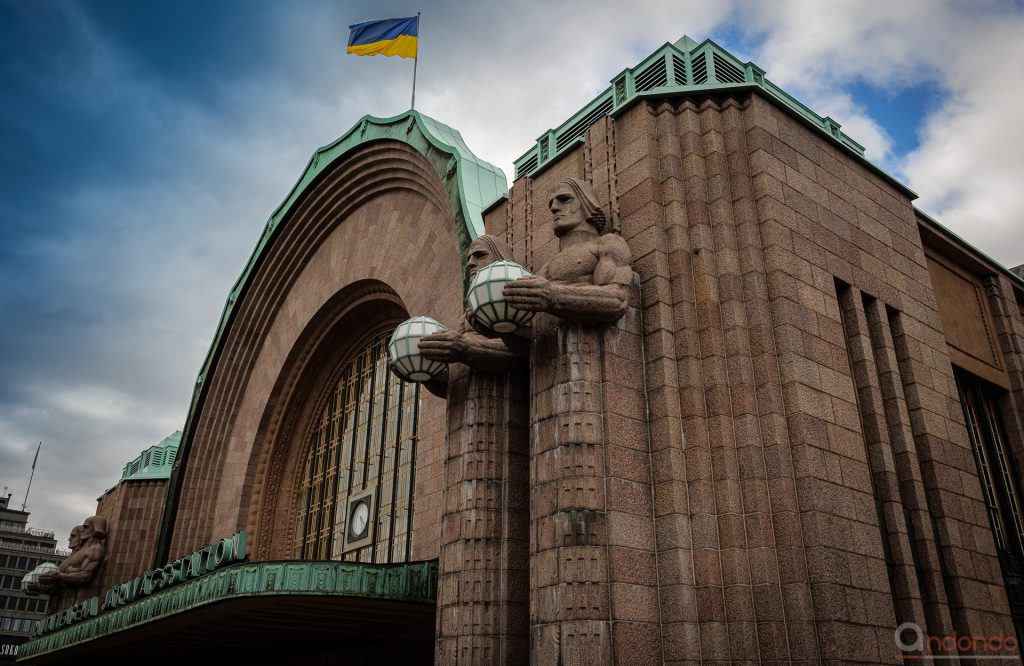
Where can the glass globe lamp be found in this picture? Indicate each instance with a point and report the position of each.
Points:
(488, 304)
(404, 350)
(30, 582)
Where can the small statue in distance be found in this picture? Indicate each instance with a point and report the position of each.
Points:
(88, 550)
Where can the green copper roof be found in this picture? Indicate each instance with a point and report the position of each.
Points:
(683, 68)
(155, 462)
(478, 185)
(414, 582)
(472, 186)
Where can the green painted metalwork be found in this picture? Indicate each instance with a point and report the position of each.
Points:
(471, 184)
(154, 462)
(681, 69)
(942, 230)
(413, 582)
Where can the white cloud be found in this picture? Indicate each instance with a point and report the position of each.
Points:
(970, 161)
(970, 165)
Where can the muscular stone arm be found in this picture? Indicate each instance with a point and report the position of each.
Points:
(438, 386)
(575, 302)
(78, 572)
(498, 354)
(604, 300)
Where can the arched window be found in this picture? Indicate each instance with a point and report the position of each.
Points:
(355, 499)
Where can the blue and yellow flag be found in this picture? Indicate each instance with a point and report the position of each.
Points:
(390, 37)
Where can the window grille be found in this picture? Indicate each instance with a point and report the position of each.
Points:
(364, 439)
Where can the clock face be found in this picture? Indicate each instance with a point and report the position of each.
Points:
(358, 520)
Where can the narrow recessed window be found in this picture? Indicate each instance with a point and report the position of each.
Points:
(355, 498)
(997, 472)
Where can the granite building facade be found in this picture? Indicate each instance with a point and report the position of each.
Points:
(803, 429)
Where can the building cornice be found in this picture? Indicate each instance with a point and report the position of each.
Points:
(685, 69)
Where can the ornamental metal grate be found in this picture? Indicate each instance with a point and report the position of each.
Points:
(699, 65)
(726, 72)
(678, 70)
(579, 128)
(654, 76)
(364, 439)
(527, 167)
(986, 431)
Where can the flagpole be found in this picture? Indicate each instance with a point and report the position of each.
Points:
(30, 476)
(415, 61)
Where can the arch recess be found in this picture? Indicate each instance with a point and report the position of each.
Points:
(465, 186)
(342, 326)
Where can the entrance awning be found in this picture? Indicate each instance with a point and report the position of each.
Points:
(264, 612)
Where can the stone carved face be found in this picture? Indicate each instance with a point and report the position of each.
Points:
(75, 538)
(480, 255)
(98, 525)
(486, 250)
(93, 527)
(566, 208)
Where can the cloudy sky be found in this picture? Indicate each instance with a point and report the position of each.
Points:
(144, 144)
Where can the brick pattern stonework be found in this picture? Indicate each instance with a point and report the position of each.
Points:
(132, 510)
(593, 590)
(482, 574)
(332, 271)
(764, 461)
(794, 377)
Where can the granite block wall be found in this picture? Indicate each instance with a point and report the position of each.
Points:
(810, 482)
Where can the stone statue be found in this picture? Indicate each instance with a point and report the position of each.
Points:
(42, 579)
(478, 347)
(486, 474)
(589, 279)
(75, 539)
(581, 296)
(88, 550)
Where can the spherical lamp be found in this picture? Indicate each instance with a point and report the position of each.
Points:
(404, 350)
(30, 582)
(488, 304)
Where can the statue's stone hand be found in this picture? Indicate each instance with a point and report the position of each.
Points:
(49, 578)
(444, 346)
(532, 293)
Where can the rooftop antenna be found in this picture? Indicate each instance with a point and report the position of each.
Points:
(30, 476)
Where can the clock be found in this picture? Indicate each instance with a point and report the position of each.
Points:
(358, 520)
(359, 517)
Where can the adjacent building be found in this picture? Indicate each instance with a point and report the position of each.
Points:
(134, 505)
(22, 549)
(799, 440)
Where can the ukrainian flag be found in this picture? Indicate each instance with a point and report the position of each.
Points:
(390, 37)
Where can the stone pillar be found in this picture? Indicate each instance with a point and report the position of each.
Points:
(483, 564)
(592, 600)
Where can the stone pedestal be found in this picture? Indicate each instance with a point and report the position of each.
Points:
(590, 504)
(483, 580)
